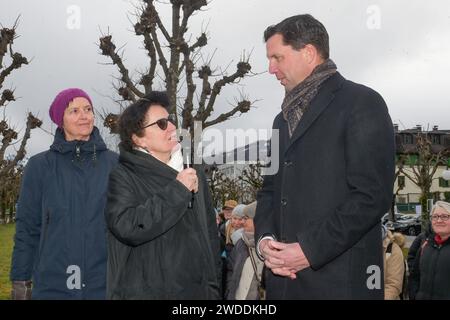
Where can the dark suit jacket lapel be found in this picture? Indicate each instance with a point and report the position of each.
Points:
(318, 105)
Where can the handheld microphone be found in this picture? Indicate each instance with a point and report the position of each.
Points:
(187, 163)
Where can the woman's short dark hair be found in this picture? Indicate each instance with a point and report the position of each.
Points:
(132, 118)
(300, 30)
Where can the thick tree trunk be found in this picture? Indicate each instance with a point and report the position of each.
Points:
(425, 210)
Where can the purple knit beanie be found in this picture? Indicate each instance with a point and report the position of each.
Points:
(61, 102)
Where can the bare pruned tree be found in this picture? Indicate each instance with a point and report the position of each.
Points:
(253, 179)
(422, 168)
(225, 188)
(175, 60)
(243, 188)
(10, 160)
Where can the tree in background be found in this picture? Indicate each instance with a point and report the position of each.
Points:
(253, 179)
(176, 62)
(224, 188)
(10, 170)
(243, 189)
(422, 166)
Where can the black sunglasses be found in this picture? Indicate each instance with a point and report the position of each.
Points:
(162, 123)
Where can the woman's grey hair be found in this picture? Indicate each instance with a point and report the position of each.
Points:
(441, 204)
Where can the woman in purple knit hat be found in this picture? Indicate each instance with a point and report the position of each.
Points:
(60, 242)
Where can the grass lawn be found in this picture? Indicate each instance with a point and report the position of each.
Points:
(6, 246)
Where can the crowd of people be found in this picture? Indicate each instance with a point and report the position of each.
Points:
(93, 224)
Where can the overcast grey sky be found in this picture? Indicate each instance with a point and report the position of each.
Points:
(399, 48)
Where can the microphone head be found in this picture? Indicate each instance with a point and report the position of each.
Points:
(187, 158)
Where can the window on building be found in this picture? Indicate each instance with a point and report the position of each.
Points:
(444, 183)
(407, 139)
(436, 139)
(402, 199)
(401, 182)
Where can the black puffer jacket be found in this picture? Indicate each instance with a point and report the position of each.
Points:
(430, 277)
(158, 248)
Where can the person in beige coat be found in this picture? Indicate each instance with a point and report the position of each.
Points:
(394, 265)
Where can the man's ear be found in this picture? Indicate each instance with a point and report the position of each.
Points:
(310, 53)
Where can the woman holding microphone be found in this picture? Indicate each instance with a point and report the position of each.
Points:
(159, 247)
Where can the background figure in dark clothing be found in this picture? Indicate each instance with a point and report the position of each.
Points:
(430, 276)
(415, 247)
(158, 247)
(60, 242)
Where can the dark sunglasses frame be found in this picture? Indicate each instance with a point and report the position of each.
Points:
(162, 123)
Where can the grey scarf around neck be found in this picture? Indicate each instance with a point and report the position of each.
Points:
(298, 99)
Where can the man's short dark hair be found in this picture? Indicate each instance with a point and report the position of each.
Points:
(132, 118)
(300, 30)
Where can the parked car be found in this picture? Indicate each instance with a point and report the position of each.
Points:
(407, 225)
(385, 218)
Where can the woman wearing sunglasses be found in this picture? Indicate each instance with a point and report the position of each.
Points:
(158, 247)
(430, 277)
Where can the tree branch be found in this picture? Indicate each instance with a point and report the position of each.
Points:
(201, 42)
(204, 74)
(410, 177)
(7, 95)
(158, 21)
(188, 102)
(147, 80)
(243, 107)
(17, 61)
(242, 69)
(32, 123)
(7, 37)
(162, 58)
(108, 49)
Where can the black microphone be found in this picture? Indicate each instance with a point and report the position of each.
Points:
(187, 163)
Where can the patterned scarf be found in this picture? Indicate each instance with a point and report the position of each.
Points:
(298, 99)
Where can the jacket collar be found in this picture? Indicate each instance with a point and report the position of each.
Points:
(145, 161)
(318, 105)
(95, 143)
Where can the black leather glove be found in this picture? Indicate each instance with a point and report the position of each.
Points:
(21, 290)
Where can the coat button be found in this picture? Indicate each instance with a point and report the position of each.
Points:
(288, 163)
(283, 202)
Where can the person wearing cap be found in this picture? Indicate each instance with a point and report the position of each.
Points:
(228, 207)
(162, 234)
(225, 225)
(244, 269)
(60, 241)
